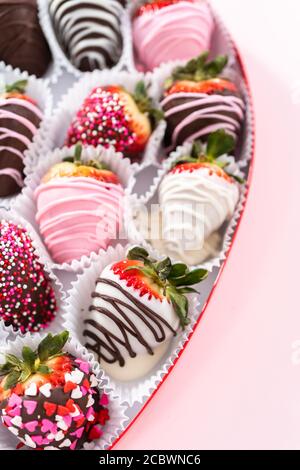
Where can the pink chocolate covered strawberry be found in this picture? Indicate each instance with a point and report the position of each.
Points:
(49, 399)
(80, 207)
(110, 115)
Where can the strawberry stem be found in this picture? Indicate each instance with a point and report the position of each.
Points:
(17, 87)
(174, 279)
(77, 160)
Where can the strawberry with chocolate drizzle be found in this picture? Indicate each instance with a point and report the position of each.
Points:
(110, 115)
(199, 101)
(20, 118)
(49, 399)
(80, 205)
(200, 185)
(139, 305)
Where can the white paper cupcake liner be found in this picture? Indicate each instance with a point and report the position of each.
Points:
(117, 422)
(136, 203)
(79, 300)
(72, 100)
(61, 61)
(26, 204)
(39, 91)
(43, 258)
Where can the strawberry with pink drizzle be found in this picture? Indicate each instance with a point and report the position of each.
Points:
(139, 304)
(79, 208)
(198, 102)
(49, 399)
(166, 30)
(20, 118)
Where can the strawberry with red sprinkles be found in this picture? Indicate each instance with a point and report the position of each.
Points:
(49, 399)
(27, 298)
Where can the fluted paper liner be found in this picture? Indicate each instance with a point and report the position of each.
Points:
(117, 422)
(26, 204)
(79, 300)
(39, 91)
(56, 324)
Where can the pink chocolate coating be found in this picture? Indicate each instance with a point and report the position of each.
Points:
(78, 216)
(176, 32)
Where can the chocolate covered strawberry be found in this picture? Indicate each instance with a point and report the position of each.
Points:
(199, 101)
(110, 115)
(196, 197)
(20, 118)
(49, 399)
(138, 306)
(168, 30)
(80, 206)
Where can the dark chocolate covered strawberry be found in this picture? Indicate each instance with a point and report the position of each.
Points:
(110, 115)
(198, 186)
(138, 306)
(49, 399)
(20, 118)
(199, 101)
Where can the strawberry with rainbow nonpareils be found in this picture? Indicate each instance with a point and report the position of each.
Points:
(139, 305)
(198, 101)
(111, 116)
(20, 118)
(200, 186)
(79, 207)
(49, 399)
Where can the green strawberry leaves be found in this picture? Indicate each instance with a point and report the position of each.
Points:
(198, 69)
(219, 143)
(19, 370)
(173, 279)
(17, 87)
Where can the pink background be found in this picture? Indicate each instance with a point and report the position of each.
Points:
(236, 385)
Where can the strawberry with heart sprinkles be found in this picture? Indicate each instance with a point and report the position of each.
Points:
(50, 399)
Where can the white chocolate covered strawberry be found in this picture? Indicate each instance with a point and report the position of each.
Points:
(138, 306)
(196, 197)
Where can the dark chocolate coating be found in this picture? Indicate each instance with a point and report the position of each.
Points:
(22, 43)
(89, 32)
(10, 128)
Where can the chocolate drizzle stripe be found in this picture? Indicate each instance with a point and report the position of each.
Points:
(124, 324)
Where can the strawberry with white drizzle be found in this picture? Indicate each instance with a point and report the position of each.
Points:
(80, 206)
(49, 399)
(196, 197)
(139, 304)
(198, 101)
